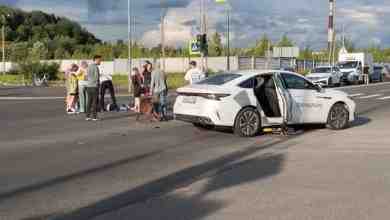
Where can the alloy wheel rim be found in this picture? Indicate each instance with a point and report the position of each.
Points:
(338, 117)
(249, 123)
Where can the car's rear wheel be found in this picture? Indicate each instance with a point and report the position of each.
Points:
(338, 118)
(248, 122)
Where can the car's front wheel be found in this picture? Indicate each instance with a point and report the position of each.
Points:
(338, 118)
(248, 123)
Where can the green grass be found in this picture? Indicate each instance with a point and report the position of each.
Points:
(12, 80)
(174, 80)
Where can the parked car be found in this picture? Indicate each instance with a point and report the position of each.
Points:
(326, 76)
(250, 100)
(378, 74)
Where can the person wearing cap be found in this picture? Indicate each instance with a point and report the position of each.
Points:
(194, 75)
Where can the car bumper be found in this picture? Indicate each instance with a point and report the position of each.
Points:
(204, 111)
(194, 119)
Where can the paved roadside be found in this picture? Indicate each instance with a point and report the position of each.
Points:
(322, 175)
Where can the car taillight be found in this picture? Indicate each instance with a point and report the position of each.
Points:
(216, 96)
(212, 96)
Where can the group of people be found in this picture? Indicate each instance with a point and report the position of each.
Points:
(84, 84)
(87, 84)
(149, 86)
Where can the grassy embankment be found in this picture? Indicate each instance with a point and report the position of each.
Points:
(175, 80)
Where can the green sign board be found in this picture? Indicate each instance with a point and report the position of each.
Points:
(194, 47)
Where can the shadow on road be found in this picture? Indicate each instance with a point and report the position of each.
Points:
(192, 207)
(360, 121)
(73, 176)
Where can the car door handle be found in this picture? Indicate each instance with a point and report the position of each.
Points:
(324, 97)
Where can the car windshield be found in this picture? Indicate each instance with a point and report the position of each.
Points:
(219, 79)
(348, 65)
(322, 70)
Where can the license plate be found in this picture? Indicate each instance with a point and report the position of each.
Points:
(189, 99)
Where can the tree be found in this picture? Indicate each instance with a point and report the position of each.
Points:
(215, 46)
(285, 42)
(18, 51)
(38, 51)
(261, 47)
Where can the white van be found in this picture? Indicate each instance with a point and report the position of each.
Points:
(354, 66)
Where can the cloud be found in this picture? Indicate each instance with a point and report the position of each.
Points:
(305, 21)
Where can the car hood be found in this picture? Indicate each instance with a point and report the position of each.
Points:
(347, 70)
(204, 89)
(319, 75)
(334, 93)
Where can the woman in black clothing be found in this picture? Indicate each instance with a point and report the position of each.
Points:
(137, 88)
(147, 76)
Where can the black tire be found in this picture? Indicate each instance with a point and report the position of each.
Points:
(338, 118)
(248, 123)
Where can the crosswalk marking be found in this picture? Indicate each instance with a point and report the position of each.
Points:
(370, 96)
(356, 95)
(384, 98)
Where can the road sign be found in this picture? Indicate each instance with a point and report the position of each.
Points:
(195, 47)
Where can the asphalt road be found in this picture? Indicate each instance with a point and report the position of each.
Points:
(55, 166)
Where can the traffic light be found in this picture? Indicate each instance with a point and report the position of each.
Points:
(202, 42)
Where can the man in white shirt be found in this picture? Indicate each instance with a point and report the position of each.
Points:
(194, 75)
(106, 84)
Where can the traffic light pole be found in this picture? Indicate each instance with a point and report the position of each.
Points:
(204, 32)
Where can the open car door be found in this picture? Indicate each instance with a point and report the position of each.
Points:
(285, 100)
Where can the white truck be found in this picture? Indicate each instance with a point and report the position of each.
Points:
(356, 67)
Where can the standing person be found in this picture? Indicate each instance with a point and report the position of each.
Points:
(158, 87)
(194, 74)
(92, 88)
(72, 89)
(106, 84)
(147, 76)
(81, 75)
(137, 89)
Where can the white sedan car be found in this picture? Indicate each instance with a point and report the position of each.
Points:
(326, 76)
(251, 100)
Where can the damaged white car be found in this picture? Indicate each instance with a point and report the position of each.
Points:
(247, 101)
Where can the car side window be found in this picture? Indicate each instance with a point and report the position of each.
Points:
(295, 82)
(248, 84)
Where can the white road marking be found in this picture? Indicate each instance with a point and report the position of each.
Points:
(370, 96)
(356, 95)
(384, 98)
(30, 98)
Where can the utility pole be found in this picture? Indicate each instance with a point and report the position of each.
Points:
(129, 33)
(129, 42)
(163, 11)
(3, 41)
(228, 36)
(331, 29)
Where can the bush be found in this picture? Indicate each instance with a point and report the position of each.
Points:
(30, 68)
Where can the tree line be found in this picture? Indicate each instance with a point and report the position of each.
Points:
(40, 36)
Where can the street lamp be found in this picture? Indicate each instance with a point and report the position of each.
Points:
(228, 9)
(4, 17)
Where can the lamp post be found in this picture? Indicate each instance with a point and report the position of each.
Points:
(4, 17)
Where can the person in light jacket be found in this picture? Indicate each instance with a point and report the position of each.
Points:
(158, 88)
(92, 88)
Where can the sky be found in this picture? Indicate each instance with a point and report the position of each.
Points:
(304, 21)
